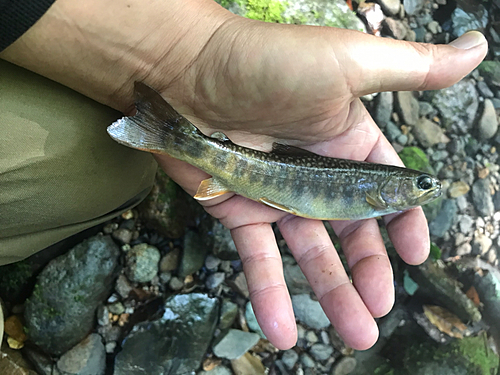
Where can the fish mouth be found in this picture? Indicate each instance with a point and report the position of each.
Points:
(431, 194)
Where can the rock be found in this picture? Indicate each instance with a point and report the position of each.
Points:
(390, 7)
(488, 123)
(295, 279)
(490, 70)
(170, 261)
(463, 21)
(463, 249)
(392, 131)
(344, 366)
(239, 285)
(311, 337)
(12, 362)
(309, 312)
(434, 27)
(481, 244)
(290, 358)
(142, 263)
(14, 328)
(235, 343)
(457, 105)
(484, 90)
(176, 343)
(223, 244)
(407, 106)
(482, 198)
(86, 358)
(321, 351)
(487, 285)
(252, 322)
(219, 370)
(212, 262)
(429, 133)
(248, 364)
(122, 235)
(412, 7)
(307, 361)
(214, 280)
(42, 363)
(228, 313)
(426, 110)
(465, 223)
(496, 201)
(394, 28)
(122, 286)
(384, 108)
(402, 139)
(193, 254)
(61, 310)
(175, 284)
(458, 188)
(415, 158)
(444, 219)
(116, 308)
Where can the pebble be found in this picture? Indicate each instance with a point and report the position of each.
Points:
(434, 27)
(228, 313)
(123, 235)
(458, 188)
(142, 263)
(392, 131)
(219, 370)
(215, 279)
(212, 262)
(464, 249)
(465, 223)
(463, 21)
(193, 254)
(122, 286)
(402, 139)
(488, 123)
(235, 343)
(110, 347)
(311, 337)
(428, 133)
(407, 106)
(462, 203)
(384, 108)
(175, 283)
(390, 7)
(170, 261)
(482, 198)
(426, 109)
(116, 308)
(481, 244)
(165, 277)
(321, 351)
(307, 361)
(289, 358)
(445, 218)
(344, 366)
(394, 28)
(248, 364)
(252, 322)
(412, 7)
(484, 90)
(324, 337)
(86, 358)
(309, 312)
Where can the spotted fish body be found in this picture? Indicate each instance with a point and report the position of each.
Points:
(288, 178)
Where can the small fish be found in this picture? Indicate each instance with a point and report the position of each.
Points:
(287, 178)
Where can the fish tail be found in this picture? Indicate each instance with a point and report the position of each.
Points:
(155, 126)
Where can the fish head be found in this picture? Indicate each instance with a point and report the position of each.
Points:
(403, 191)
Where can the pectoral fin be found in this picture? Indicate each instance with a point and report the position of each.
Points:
(278, 206)
(375, 202)
(209, 189)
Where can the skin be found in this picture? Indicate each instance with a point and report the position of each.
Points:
(260, 83)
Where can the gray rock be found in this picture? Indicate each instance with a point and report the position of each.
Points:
(496, 103)
(321, 351)
(142, 263)
(61, 310)
(252, 322)
(462, 203)
(487, 285)
(484, 90)
(344, 366)
(123, 235)
(110, 333)
(384, 108)
(228, 313)
(290, 358)
(309, 312)
(122, 286)
(176, 343)
(392, 131)
(481, 244)
(465, 223)
(412, 7)
(390, 7)
(311, 337)
(490, 70)
(86, 358)
(224, 247)
(456, 146)
(426, 109)
(481, 197)
(488, 123)
(434, 27)
(219, 370)
(235, 343)
(463, 21)
(445, 218)
(463, 249)
(214, 280)
(42, 363)
(402, 139)
(116, 308)
(170, 261)
(307, 361)
(407, 106)
(394, 28)
(175, 283)
(496, 201)
(457, 105)
(212, 262)
(295, 279)
(193, 254)
(429, 133)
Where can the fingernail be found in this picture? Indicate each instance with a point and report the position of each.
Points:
(469, 40)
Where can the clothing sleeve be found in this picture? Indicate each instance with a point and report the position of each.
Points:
(17, 16)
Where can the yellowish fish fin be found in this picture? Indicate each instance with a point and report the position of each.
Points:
(374, 202)
(209, 189)
(278, 206)
(220, 136)
(281, 149)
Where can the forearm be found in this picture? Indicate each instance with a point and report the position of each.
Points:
(100, 48)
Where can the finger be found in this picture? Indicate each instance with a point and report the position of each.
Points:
(263, 269)
(311, 246)
(376, 64)
(370, 267)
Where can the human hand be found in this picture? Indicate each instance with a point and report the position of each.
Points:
(261, 83)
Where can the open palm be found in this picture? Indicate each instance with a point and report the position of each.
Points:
(262, 83)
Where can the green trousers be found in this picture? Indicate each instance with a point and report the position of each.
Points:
(60, 172)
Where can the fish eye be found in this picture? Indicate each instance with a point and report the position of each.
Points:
(424, 182)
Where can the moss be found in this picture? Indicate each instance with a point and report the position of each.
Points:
(435, 251)
(265, 10)
(14, 276)
(481, 357)
(415, 158)
(490, 70)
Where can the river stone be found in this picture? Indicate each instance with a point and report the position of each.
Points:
(321, 351)
(309, 312)
(219, 370)
(344, 366)
(488, 123)
(463, 21)
(224, 247)
(484, 90)
(429, 133)
(482, 198)
(174, 344)
(412, 7)
(490, 70)
(228, 313)
(407, 106)
(295, 279)
(235, 343)
(248, 364)
(142, 263)
(252, 322)
(390, 7)
(481, 244)
(444, 219)
(170, 261)
(61, 310)
(86, 358)
(193, 255)
(457, 105)
(384, 108)
(289, 358)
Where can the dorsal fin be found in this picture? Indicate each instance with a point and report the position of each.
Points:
(281, 149)
(149, 101)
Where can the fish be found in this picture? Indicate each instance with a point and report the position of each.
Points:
(287, 178)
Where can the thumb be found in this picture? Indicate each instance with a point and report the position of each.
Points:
(380, 64)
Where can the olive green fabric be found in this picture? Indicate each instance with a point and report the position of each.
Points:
(60, 172)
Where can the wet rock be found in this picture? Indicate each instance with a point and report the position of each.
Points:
(228, 313)
(170, 261)
(444, 219)
(384, 108)
(175, 284)
(176, 343)
(142, 263)
(214, 280)
(457, 105)
(193, 254)
(223, 247)
(42, 363)
(290, 358)
(434, 27)
(487, 285)
(465, 223)
(390, 7)
(212, 262)
(458, 188)
(394, 28)
(12, 362)
(463, 21)
(490, 70)
(496, 201)
(456, 146)
(412, 7)
(252, 322)
(344, 366)
(122, 286)
(484, 90)
(235, 343)
(429, 133)
(311, 337)
(248, 364)
(122, 235)
(239, 284)
(309, 312)
(321, 351)
(392, 131)
(463, 249)
(407, 106)
(61, 310)
(481, 244)
(488, 123)
(86, 358)
(307, 361)
(482, 198)
(295, 279)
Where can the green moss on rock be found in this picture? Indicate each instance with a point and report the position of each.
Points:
(415, 158)
(265, 10)
(490, 70)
